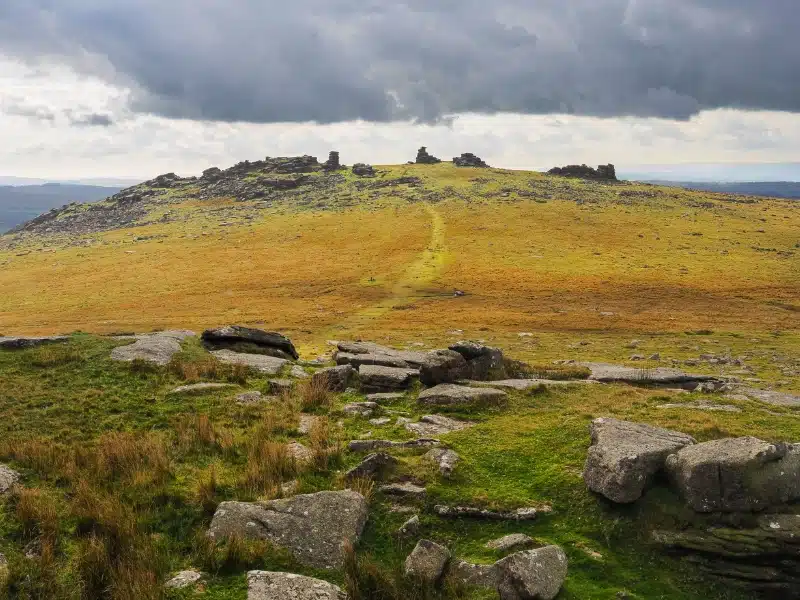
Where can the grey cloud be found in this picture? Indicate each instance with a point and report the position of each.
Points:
(90, 120)
(384, 60)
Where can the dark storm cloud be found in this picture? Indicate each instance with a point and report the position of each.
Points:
(380, 60)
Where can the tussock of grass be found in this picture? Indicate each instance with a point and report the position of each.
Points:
(314, 393)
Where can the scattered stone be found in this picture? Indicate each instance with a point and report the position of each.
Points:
(338, 378)
(423, 158)
(624, 456)
(470, 574)
(380, 422)
(298, 372)
(201, 388)
(446, 460)
(608, 373)
(508, 543)
(300, 453)
(254, 341)
(313, 527)
(702, 406)
(469, 160)
(432, 425)
(406, 490)
(184, 579)
(8, 479)
(385, 397)
(736, 474)
(456, 512)
(17, 343)
(375, 378)
(427, 561)
(250, 398)
(459, 395)
(532, 574)
(264, 585)
(363, 170)
(372, 466)
(364, 409)
(280, 386)
(157, 348)
(410, 528)
(362, 445)
(269, 365)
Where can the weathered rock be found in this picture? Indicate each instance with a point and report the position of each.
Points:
(508, 543)
(461, 396)
(410, 528)
(427, 561)
(372, 466)
(384, 360)
(300, 453)
(250, 398)
(375, 378)
(608, 373)
(607, 172)
(306, 423)
(201, 388)
(468, 159)
(280, 386)
(769, 396)
(385, 397)
(483, 362)
(433, 425)
(157, 348)
(184, 579)
(446, 460)
(17, 343)
(443, 366)
(253, 341)
(532, 574)
(269, 365)
(313, 527)
(528, 384)
(298, 372)
(380, 422)
(337, 378)
(406, 490)
(423, 158)
(705, 406)
(364, 409)
(624, 456)
(8, 479)
(468, 512)
(378, 354)
(736, 474)
(470, 574)
(362, 445)
(265, 585)
(332, 164)
(363, 170)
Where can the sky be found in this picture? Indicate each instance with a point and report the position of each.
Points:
(135, 88)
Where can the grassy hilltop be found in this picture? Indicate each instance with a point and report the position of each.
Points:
(121, 477)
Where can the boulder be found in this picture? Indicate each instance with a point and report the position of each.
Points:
(736, 474)
(253, 341)
(624, 456)
(532, 574)
(433, 425)
(375, 378)
(300, 453)
(8, 479)
(469, 512)
(364, 409)
(508, 543)
(410, 527)
(157, 348)
(471, 574)
(332, 164)
(372, 466)
(372, 353)
(184, 579)
(280, 386)
(423, 158)
(406, 490)
(337, 379)
(363, 170)
(445, 460)
(384, 360)
(443, 366)
(461, 396)
(313, 527)
(265, 585)
(468, 159)
(427, 562)
(263, 363)
(483, 362)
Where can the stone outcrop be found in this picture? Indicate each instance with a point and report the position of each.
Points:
(157, 348)
(251, 341)
(372, 466)
(265, 585)
(468, 159)
(603, 172)
(532, 574)
(483, 362)
(332, 164)
(461, 396)
(313, 527)
(737, 474)
(376, 378)
(433, 425)
(471, 574)
(363, 170)
(442, 366)
(624, 457)
(337, 379)
(184, 579)
(427, 562)
(263, 363)
(423, 158)
(609, 373)
(17, 343)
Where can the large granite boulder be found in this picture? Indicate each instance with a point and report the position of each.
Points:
(468, 159)
(337, 379)
(252, 341)
(483, 362)
(443, 366)
(265, 585)
(736, 474)
(423, 158)
(427, 561)
(376, 378)
(532, 574)
(157, 348)
(17, 343)
(263, 363)
(624, 456)
(384, 360)
(461, 396)
(332, 164)
(363, 170)
(313, 527)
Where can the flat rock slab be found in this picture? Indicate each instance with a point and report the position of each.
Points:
(508, 543)
(364, 409)
(184, 579)
(527, 384)
(157, 348)
(8, 479)
(609, 373)
(18, 343)
(532, 574)
(201, 388)
(769, 396)
(252, 398)
(372, 466)
(362, 445)
(449, 394)
(736, 474)
(298, 372)
(701, 406)
(375, 378)
(265, 585)
(267, 341)
(385, 397)
(262, 363)
(313, 527)
(359, 360)
(336, 379)
(410, 358)
(433, 425)
(406, 490)
(279, 386)
(624, 456)
(469, 512)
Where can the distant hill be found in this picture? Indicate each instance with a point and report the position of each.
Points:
(22, 203)
(771, 189)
